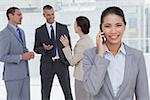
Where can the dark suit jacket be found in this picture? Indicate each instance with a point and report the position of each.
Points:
(42, 36)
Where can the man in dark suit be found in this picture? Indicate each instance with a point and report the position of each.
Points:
(53, 60)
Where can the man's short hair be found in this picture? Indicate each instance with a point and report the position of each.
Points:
(48, 7)
(11, 10)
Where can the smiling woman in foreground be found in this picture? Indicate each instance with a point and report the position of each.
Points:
(113, 70)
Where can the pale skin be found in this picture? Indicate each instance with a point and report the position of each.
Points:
(113, 28)
(16, 19)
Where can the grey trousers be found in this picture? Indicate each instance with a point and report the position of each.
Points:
(80, 92)
(18, 89)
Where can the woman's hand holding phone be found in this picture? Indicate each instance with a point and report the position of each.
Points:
(100, 43)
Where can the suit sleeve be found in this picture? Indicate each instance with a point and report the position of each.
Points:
(38, 46)
(67, 33)
(94, 72)
(142, 90)
(5, 55)
(78, 55)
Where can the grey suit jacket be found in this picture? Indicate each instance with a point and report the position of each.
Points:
(11, 48)
(97, 83)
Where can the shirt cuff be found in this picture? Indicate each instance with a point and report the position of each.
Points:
(20, 57)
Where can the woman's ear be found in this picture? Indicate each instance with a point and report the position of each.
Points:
(79, 28)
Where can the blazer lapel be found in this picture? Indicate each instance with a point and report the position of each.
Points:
(128, 61)
(107, 79)
(14, 33)
(46, 33)
(108, 82)
(57, 31)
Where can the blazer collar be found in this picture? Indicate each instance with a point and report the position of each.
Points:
(83, 37)
(108, 83)
(128, 50)
(10, 28)
(128, 62)
(53, 24)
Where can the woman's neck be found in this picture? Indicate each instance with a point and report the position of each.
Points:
(81, 34)
(113, 48)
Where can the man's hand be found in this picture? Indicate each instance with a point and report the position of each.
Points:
(32, 55)
(27, 56)
(47, 47)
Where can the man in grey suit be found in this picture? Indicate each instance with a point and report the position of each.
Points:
(53, 61)
(15, 55)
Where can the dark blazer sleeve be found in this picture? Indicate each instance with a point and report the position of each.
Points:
(62, 29)
(67, 33)
(38, 47)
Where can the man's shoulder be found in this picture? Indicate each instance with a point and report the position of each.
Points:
(41, 27)
(5, 30)
(60, 24)
(4, 33)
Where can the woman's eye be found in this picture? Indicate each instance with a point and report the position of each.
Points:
(118, 25)
(107, 26)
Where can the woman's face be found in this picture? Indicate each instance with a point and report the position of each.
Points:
(76, 27)
(113, 28)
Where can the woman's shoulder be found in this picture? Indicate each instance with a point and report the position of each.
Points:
(91, 51)
(86, 42)
(131, 50)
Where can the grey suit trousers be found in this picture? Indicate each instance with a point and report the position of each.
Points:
(18, 89)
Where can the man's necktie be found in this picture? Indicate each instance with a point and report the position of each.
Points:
(20, 34)
(53, 41)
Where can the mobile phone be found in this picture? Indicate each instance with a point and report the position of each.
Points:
(103, 40)
(103, 37)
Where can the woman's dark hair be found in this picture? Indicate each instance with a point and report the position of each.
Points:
(84, 23)
(112, 10)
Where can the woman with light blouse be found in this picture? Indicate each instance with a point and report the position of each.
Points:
(81, 27)
(112, 69)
